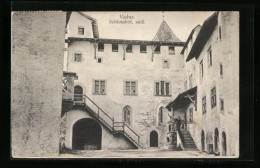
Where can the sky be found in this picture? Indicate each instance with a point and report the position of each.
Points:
(181, 23)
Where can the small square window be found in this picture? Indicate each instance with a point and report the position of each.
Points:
(80, 30)
(114, 47)
(129, 48)
(78, 58)
(166, 63)
(100, 46)
(157, 50)
(171, 50)
(143, 49)
(99, 60)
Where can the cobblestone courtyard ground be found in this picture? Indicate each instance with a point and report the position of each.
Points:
(151, 153)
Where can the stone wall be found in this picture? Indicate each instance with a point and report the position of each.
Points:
(36, 82)
(137, 66)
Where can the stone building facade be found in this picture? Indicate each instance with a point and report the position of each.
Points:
(215, 54)
(118, 75)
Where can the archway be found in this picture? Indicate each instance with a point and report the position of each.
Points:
(216, 140)
(224, 144)
(202, 141)
(78, 93)
(87, 135)
(153, 139)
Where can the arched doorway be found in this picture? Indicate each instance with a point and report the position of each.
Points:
(224, 144)
(153, 139)
(216, 140)
(127, 114)
(87, 135)
(78, 93)
(202, 141)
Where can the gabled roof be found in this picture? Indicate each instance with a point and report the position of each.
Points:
(94, 24)
(188, 40)
(182, 99)
(203, 36)
(165, 33)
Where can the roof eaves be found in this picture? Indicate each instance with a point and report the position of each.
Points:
(204, 34)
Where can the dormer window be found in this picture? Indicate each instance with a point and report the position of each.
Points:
(81, 30)
(100, 46)
(114, 47)
(171, 50)
(143, 49)
(157, 50)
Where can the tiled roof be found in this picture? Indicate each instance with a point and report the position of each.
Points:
(94, 24)
(165, 33)
(182, 100)
(190, 36)
(203, 36)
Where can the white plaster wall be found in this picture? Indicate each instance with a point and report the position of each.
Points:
(109, 141)
(137, 66)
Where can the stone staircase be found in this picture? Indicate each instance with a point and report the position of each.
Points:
(116, 128)
(187, 141)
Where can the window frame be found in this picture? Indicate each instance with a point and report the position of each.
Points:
(101, 49)
(160, 116)
(99, 90)
(164, 88)
(141, 48)
(157, 52)
(129, 51)
(169, 51)
(210, 63)
(74, 57)
(204, 105)
(190, 115)
(101, 60)
(82, 30)
(213, 96)
(114, 45)
(130, 91)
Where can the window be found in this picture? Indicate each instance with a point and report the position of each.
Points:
(162, 88)
(127, 114)
(100, 46)
(129, 48)
(191, 115)
(219, 29)
(81, 30)
(210, 56)
(221, 104)
(114, 47)
(157, 50)
(100, 60)
(160, 115)
(201, 68)
(204, 105)
(130, 87)
(99, 87)
(78, 58)
(143, 49)
(221, 69)
(190, 81)
(213, 97)
(171, 50)
(166, 63)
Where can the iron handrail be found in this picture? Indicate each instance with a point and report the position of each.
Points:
(97, 107)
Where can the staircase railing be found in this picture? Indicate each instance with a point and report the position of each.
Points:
(123, 127)
(114, 126)
(99, 112)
